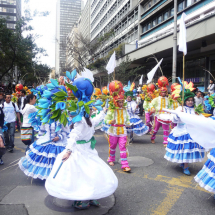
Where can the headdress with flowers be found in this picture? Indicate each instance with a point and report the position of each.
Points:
(53, 103)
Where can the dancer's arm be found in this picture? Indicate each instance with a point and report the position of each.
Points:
(96, 120)
(109, 117)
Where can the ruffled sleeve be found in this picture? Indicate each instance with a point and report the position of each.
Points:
(42, 130)
(175, 118)
(154, 104)
(64, 134)
(75, 134)
(109, 117)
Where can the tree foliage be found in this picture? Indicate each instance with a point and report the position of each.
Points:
(20, 51)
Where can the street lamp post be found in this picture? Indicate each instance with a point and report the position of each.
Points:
(174, 61)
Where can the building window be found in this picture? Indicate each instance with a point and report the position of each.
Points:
(166, 15)
(144, 28)
(150, 4)
(188, 3)
(181, 6)
(172, 12)
(149, 25)
(153, 22)
(159, 19)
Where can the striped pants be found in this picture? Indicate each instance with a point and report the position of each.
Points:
(122, 147)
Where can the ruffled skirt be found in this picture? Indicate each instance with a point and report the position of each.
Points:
(84, 176)
(206, 176)
(138, 127)
(182, 149)
(40, 159)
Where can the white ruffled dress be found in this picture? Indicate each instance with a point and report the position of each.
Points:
(84, 176)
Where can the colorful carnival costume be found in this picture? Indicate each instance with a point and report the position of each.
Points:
(174, 101)
(206, 176)
(181, 147)
(117, 132)
(83, 176)
(149, 117)
(40, 159)
(138, 127)
(158, 104)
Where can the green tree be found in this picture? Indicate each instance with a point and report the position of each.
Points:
(18, 50)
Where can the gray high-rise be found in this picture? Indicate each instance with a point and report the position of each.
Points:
(10, 10)
(68, 12)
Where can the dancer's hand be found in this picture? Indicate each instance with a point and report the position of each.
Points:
(113, 121)
(66, 156)
(56, 139)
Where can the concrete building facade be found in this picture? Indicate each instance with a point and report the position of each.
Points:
(68, 12)
(145, 28)
(10, 10)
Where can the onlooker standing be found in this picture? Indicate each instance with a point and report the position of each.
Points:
(10, 112)
(1, 119)
(2, 149)
(211, 87)
(21, 100)
(21, 105)
(27, 131)
(198, 98)
(2, 98)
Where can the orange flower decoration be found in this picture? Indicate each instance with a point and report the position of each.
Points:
(176, 92)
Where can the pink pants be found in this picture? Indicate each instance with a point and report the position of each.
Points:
(165, 131)
(122, 147)
(149, 120)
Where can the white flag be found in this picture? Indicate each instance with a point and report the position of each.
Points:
(111, 64)
(87, 74)
(151, 74)
(200, 128)
(182, 37)
(141, 80)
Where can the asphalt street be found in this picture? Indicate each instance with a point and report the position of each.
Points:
(154, 186)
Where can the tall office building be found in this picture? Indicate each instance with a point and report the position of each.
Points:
(10, 10)
(68, 12)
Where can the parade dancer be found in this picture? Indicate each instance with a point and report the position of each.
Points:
(138, 127)
(41, 156)
(82, 174)
(206, 176)
(149, 117)
(174, 101)
(117, 117)
(156, 106)
(181, 147)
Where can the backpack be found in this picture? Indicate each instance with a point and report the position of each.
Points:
(13, 106)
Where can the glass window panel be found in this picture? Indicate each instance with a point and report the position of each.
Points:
(150, 4)
(159, 19)
(154, 22)
(144, 28)
(166, 15)
(181, 6)
(149, 26)
(188, 3)
(172, 12)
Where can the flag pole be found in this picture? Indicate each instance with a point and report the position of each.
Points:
(183, 84)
